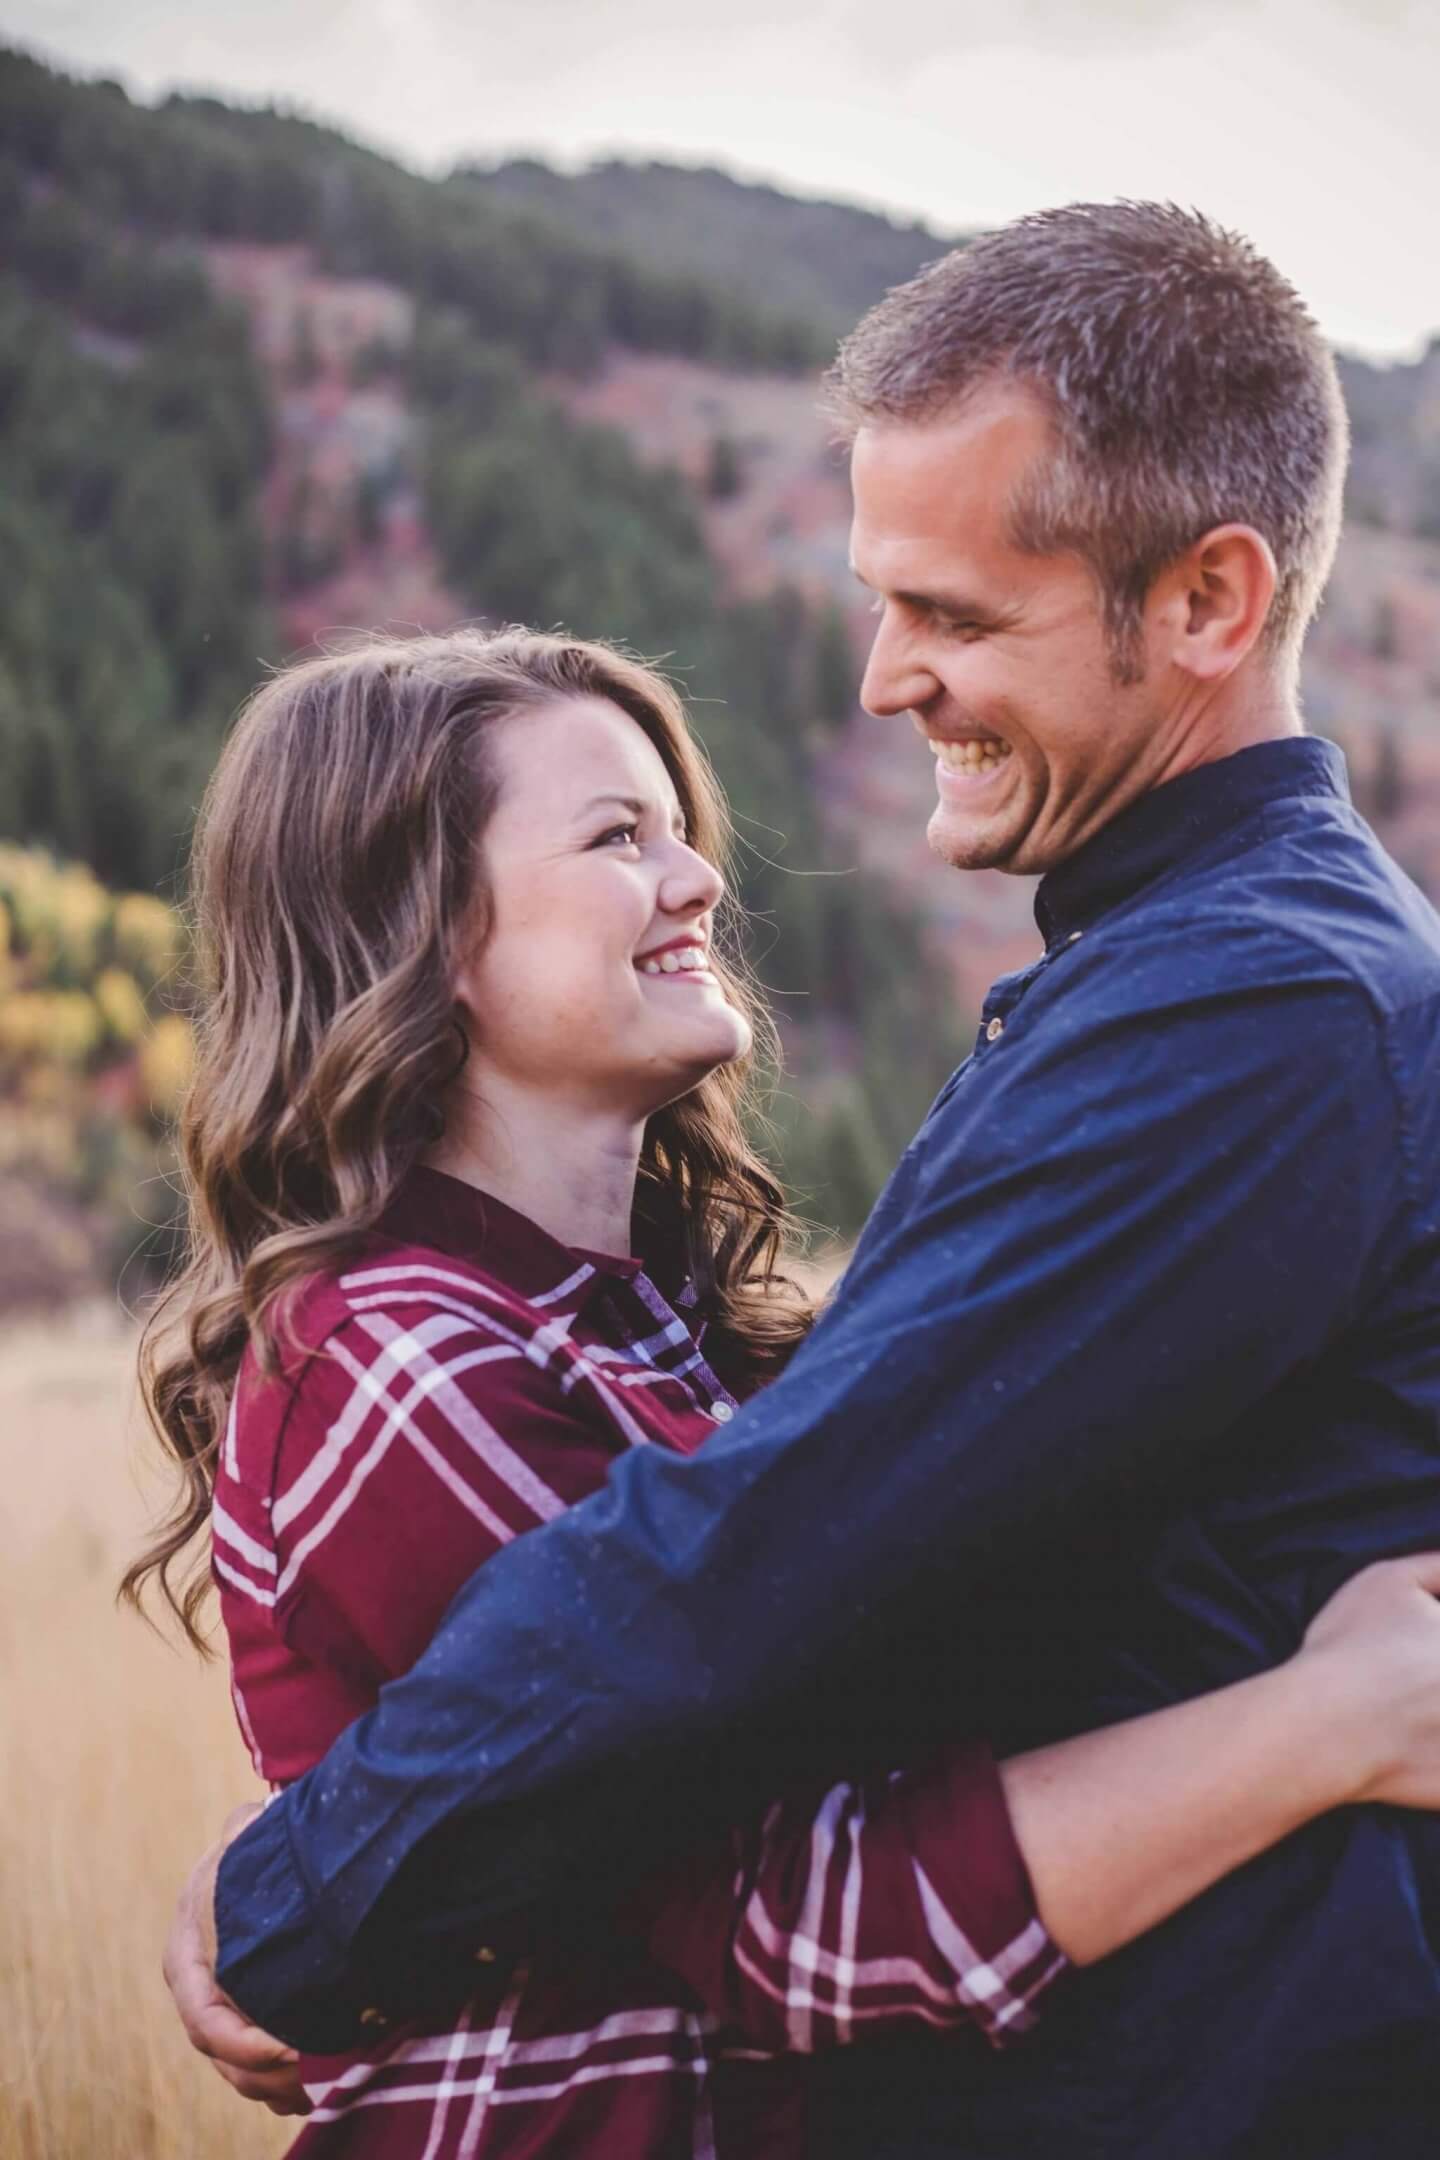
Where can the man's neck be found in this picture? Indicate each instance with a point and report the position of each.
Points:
(1254, 706)
(571, 1171)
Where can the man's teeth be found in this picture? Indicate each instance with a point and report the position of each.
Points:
(972, 754)
(681, 960)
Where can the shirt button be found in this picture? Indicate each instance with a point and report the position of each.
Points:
(722, 1413)
(485, 1955)
(373, 2017)
(995, 1029)
(1074, 937)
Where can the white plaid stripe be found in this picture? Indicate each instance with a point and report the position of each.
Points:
(850, 1913)
(226, 1527)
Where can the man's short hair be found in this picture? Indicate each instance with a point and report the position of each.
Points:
(1188, 384)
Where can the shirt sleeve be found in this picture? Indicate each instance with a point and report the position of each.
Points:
(900, 1901)
(1160, 1191)
(416, 1446)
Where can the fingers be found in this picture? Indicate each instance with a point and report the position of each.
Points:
(279, 2090)
(217, 2029)
(212, 2022)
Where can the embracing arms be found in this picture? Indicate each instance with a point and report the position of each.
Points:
(953, 1408)
(1119, 1828)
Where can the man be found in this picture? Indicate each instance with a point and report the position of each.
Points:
(1139, 1354)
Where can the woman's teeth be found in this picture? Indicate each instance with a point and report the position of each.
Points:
(972, 754)
(681, 960)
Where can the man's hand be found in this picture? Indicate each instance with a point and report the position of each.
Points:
(256, 2065)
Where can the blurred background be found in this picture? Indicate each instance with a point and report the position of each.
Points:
(404, 312)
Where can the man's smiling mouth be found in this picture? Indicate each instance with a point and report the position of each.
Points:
(975, 754)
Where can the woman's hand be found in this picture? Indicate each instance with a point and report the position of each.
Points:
(259, 2067)
(1376, 1647)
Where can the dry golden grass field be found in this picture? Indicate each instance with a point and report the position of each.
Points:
(118, 1761)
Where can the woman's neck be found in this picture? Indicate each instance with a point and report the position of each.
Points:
(571, 1172)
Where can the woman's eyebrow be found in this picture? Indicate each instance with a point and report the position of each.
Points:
(632, 803)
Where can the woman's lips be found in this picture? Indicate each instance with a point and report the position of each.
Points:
(687, 962)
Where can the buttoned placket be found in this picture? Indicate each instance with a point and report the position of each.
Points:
(1005, 995)
(1001, 1002)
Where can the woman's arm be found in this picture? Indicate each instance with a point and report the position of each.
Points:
(875, 1906)
(1119, 1829)
(1122, 1827)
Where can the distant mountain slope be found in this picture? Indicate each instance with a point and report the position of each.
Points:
(827, 260)
(1395, 437)
(256, 381)
(193, 167)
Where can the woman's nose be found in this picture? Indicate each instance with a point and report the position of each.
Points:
(895, 679)
(690, 883)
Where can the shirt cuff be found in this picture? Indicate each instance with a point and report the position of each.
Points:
(1004, 1958)
(273, 1957)
(293, 1970)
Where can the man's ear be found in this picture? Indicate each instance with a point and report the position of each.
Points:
(1215, 601)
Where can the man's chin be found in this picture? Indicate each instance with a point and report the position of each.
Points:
(968, 845)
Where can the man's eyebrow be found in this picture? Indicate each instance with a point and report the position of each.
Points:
(958, 604)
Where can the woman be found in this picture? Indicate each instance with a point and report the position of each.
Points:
(473, 1210)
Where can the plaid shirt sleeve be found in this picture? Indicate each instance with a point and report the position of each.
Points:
(464, 1443)
(899, 1901)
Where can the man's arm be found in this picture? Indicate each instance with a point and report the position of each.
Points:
(1136, 1213)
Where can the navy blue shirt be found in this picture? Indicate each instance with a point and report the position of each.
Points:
(1137, 1359)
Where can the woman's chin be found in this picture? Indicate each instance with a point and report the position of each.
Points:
(724, 1042)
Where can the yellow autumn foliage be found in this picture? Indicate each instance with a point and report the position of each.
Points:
(167, 1056)
(148, 936)
(59, 1027)
(121, 1005)
(93, 1059)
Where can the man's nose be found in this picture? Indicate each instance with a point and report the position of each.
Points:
(895, 681)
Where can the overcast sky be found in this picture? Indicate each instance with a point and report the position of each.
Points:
(1310, 124)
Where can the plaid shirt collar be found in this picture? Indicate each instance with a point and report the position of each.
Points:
(433, 1208)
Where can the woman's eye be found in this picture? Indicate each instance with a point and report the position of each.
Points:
(627, 835)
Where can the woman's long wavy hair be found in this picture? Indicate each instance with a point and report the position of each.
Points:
(337, 880)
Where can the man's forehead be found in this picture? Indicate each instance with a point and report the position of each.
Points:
(938, 490)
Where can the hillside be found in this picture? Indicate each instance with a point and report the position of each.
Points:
(827, 260)
(257, 382)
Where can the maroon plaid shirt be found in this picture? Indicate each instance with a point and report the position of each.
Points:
(464, 1381)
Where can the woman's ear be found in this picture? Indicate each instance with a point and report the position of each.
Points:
(1217, 600)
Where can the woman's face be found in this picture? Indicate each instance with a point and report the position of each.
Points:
(592, 986)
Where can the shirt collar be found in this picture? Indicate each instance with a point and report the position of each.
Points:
(1178, 819)
(432, 1208)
